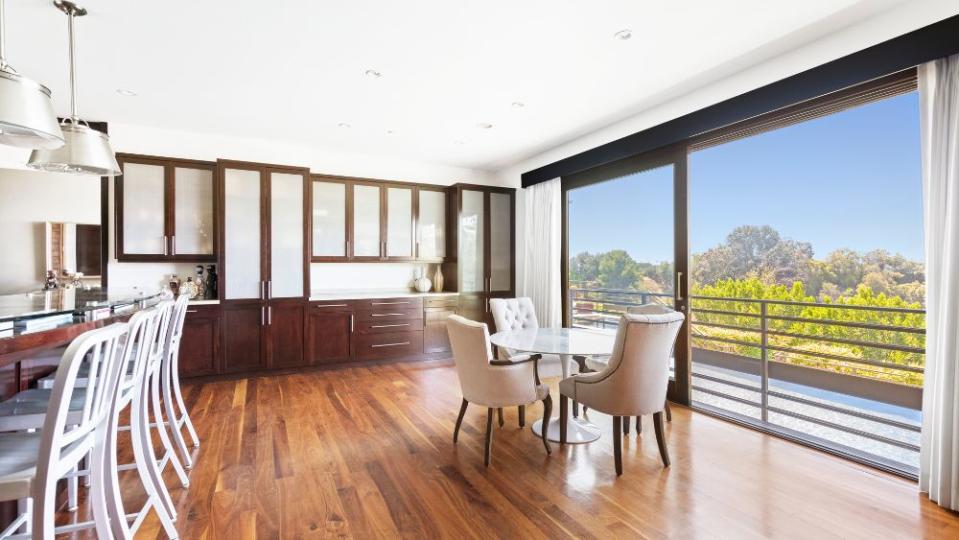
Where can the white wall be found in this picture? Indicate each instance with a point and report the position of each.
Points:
(860, 35)
(28, 199)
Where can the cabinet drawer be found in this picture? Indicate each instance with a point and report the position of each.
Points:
(331, 306)
(390, 304)
(381, 316)
(388, 345)
(379, 327)
(442, 302)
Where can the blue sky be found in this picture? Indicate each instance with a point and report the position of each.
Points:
(851, 179)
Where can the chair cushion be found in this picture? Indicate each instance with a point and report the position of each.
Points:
(597, 363)
(18, 461)
(28, 409)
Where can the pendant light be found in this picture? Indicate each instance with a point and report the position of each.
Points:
(27, 119)
(87, 151)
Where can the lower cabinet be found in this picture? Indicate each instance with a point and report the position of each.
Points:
(243, 337)
(286, 332)
(436, 339)
(200, 343)
(330, 335)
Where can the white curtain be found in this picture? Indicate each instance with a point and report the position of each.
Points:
(541, 258)
(939, 456)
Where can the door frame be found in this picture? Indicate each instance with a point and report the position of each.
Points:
(677, 157)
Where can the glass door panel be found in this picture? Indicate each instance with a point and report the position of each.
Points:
(329, 219)
(431, 225)
(193, 210)
(471, 240)
(241, 255)
(144, 225)
(366, 221)
(286, 235)
(399, 223)
(501, 242)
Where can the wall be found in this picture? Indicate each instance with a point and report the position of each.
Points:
(793, 58)
(28, 199)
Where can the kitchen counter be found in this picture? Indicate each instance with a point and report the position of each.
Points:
(40, 304)
(322, 296)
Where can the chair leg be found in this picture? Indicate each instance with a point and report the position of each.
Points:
(176, 421)
(639, 425)
(499, 413)
(563, 418)
(489, 436)
(184, 412)
(669, 412)
(547, 412)
(661, 438)
(97, 496)
(522, 416)
(575, 409)
(618, 444)
(459, 420)
(73, 483)
(625, 425)
(168, 449)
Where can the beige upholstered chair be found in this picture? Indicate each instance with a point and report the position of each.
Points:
(493, 383)
(634, 382)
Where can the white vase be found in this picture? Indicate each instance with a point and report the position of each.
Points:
(423, 284)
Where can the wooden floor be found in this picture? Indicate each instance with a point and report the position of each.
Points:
(368, 452)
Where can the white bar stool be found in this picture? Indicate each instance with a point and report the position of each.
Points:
(176, 410)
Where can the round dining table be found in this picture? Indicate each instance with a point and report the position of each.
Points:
(565, 343)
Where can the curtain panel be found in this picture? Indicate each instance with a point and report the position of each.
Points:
(939, 454)
(541, 259)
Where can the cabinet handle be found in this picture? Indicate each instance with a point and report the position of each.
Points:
(383, 253)
(192, 311)
(262, 316)
(165, 245)
(261, 290)
(388, 314)
(173, 245)
(269, 315)
(347, 254)
(269, 289)
(351, 323)
(388, 303)
(388, 325)
(333, 305)
(378, 345)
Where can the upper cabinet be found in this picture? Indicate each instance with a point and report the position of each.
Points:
(165, 209)
(362, 220)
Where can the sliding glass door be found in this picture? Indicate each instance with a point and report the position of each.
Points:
(626, 246)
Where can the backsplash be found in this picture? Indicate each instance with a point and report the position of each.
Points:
(352, 276)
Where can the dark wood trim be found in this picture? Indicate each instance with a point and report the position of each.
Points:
(105, 231)
(937, 40)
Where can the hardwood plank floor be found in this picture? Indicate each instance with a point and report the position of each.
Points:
(367, 452)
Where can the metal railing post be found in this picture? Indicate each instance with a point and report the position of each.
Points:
(765, 361)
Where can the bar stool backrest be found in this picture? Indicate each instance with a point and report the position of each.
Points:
(102, 348)
(176, 327)
(141, 335)
(161, 336)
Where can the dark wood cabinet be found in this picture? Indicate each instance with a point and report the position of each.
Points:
(485, 247)
(286, 325)
(165, 209)
(436, 339)
(200, 343)
(243, 337)
(330, 336)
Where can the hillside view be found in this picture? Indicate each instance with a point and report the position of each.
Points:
(756, 262)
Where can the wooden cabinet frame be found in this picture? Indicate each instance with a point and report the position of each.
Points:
(349, 240)
(169, 209)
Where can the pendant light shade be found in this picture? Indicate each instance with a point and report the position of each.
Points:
(27, 119)
(87, 151)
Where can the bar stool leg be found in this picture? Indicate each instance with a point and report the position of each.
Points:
(175, 420)
(146, 460)
(161, 431)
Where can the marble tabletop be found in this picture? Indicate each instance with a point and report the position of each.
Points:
(563, 341)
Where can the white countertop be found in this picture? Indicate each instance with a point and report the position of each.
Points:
(203, 302)
(316, 296)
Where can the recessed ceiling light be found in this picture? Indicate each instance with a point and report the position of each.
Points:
(518, 104)
(125, 92)
(344, 125)
(624, 34)
(373, 73)
(459, 142)
(389, 132)
(484, 125)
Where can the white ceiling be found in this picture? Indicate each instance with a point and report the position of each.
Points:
(293, 70)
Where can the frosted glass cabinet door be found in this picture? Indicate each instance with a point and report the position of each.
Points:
(241, 200)
(286, 235)
(471, 241)
(366, 221)
(431, 225)
(144, 227)
(329, 219)
(399, 222)
(193, 211)
(501, 244)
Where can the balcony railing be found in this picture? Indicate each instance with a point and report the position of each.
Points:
(872, 354)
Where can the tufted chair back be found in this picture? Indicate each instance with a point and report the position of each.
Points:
(513, 314)
(649, 309)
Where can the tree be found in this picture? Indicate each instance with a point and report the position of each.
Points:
(757, 252)
(617, 270)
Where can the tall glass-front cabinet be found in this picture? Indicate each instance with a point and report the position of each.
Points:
(264, 264)
(484, 248)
